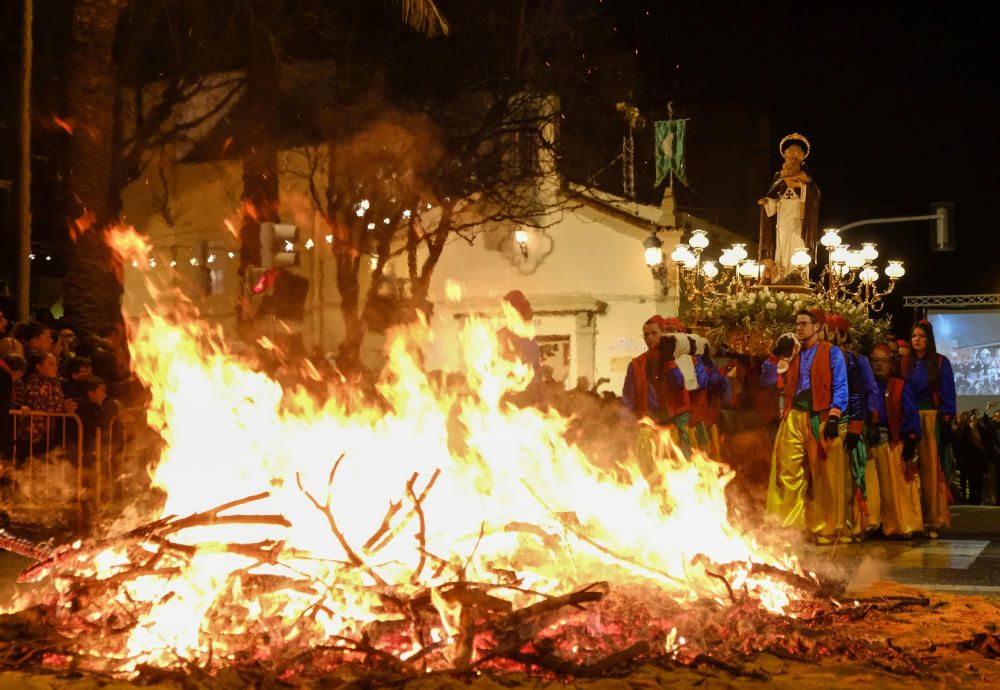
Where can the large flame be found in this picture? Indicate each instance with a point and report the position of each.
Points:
(385, 500)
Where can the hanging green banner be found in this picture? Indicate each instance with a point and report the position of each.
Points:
(670, 150)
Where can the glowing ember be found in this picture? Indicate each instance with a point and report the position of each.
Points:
(452, 498)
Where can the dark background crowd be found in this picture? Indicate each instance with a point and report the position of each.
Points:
(980, 374)
(46, 367)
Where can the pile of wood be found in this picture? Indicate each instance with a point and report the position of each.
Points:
(594, 631)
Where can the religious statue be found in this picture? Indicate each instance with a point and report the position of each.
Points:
(789, 212)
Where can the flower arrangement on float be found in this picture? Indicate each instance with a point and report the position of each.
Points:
(748, 323)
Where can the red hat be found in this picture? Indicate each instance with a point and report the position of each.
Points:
(902, 343)
(657, 319)
(882, 347)
(838, 322)
(521, 304)
(674, 323)
(819, 316)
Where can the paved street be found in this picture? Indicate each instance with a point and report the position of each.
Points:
(965, 560)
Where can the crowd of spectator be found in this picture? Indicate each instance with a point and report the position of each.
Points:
(979, 374)
(46, 367)
(976, 449)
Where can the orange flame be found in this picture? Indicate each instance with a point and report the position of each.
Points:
(395, 498)
(63, 124)
(128, 245)
(82, 224)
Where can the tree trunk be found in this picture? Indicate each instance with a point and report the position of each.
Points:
(93, 280)
(260, 144)
(349, 350)
(24, 178)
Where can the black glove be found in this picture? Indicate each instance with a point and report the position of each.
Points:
(784, 347)
(851, 441)
(667, 347)
(830, 429)
(873, 435)
(909, 449)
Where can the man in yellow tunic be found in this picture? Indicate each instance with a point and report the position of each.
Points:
(810, 485)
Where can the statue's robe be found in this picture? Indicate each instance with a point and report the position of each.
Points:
(769, 223)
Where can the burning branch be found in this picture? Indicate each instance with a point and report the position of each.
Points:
(324, 508)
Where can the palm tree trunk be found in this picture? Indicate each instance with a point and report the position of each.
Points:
(93, 280)
(24, 181)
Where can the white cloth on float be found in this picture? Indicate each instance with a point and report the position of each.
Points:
(790, 208)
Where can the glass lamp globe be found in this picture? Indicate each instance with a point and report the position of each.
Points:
(750, 269)
(709, 269)
(740, 249)
(869, 275)
(801, 258)
(681, 253)
(729, 258)
(840, 254)
(868, 251)
(521, 236)
(830, 238)
(895, 270)
(841, 269)
(699, 240)
(653, 250)
(855, 260)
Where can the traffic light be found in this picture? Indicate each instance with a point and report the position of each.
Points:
(287, 299)
(277, 246)
(259, 279)
(943, 227)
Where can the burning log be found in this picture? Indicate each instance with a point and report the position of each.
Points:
(986, 643)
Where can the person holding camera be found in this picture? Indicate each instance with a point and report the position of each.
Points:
(810, 485)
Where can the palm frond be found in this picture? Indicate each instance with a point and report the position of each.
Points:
(424, 16)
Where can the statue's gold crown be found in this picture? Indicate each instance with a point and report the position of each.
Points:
(796, 137)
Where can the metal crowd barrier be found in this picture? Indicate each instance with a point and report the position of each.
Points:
(96, 468)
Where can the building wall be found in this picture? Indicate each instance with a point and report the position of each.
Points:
(592, 287)
(585, 275)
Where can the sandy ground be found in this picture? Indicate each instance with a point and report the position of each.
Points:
(930, 633)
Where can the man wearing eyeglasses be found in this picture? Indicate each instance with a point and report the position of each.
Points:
(810, 485)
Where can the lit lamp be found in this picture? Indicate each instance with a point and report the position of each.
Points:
(521, 238)
(868, 275)
(729, 258)
(740, 251)
(653, 251)
(830, 238)
(680, 254)
(840, 254)
(709, 270)
(855, 260)
(868, 251)
(653, 254)
(699, 240)
(749, 269)
(801, 259)
(895, 270)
